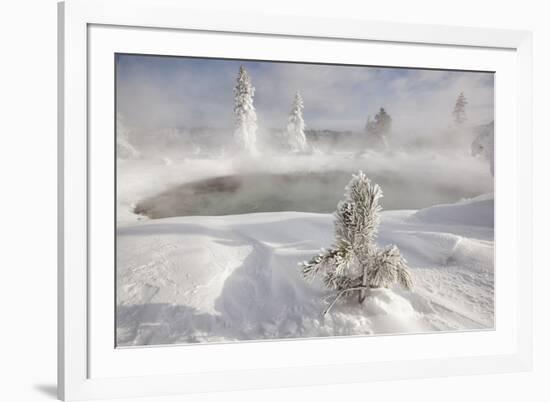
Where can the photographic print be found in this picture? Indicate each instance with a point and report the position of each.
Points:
(264, 200)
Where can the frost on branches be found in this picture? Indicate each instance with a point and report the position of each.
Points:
(245, 114)
(295, 127)
(354, 263)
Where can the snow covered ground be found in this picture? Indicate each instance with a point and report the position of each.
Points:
(236, 277)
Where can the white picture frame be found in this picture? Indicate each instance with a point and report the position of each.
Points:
(90, 367)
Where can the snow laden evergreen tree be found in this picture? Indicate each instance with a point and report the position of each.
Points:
(354, 263)
(245, 114)
(379, 128)
(459, 112)
(295, 127)
(484, 144)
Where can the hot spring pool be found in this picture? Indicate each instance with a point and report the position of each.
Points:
(304, 192)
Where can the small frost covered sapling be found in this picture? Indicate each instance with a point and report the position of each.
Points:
(354, 263)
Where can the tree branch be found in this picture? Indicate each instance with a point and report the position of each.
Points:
(340, 294)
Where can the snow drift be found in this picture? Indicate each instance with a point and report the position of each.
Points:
(229, 278)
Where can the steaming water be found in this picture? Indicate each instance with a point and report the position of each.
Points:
(305, 192)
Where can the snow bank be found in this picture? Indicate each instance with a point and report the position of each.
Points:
(478, 211)
(228, 278)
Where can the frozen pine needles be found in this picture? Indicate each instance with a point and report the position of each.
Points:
(354, 263)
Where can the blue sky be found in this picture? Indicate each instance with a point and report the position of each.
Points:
(161, 92)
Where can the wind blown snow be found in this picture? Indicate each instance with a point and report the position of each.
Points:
(236, 277)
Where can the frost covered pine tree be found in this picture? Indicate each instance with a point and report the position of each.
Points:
(459, 112)
(245, 114)
(354, 263)
(295, 127)
(379, 128)
(484, 144)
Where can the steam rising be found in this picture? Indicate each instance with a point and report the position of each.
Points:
(178, 115)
